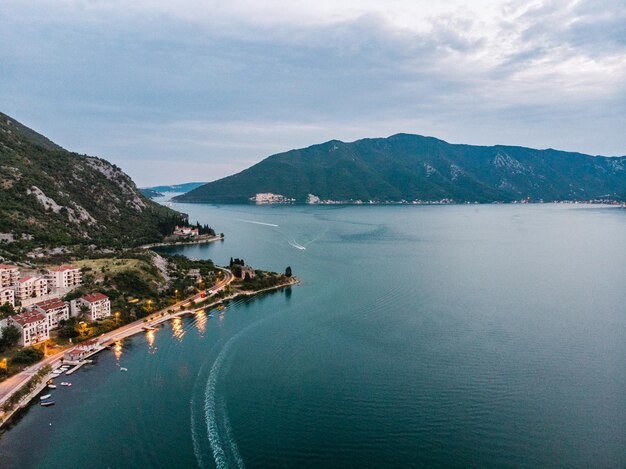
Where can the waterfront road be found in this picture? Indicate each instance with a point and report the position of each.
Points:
(12, 384)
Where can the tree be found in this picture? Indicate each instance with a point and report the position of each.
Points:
(288, 271)
(10, 337)
(6, 309)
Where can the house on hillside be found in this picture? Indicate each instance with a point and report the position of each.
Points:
(7, 295)
(98, 306)
(9, 274)
(56, 310)
(64, 277)
(33, 327)
(31, 287)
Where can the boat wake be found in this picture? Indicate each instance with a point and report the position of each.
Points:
(293, 243)
(221, 445)
(258, 222)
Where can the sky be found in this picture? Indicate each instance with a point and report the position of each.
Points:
(195, 90)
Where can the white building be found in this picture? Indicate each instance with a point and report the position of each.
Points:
(7, 295)
(270, 198)
(97, 304)
(64, 276)
(33, 327)
(31, 287)
(186, 231)
(56, 310)
(9, 274)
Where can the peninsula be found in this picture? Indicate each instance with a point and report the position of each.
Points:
(77, 270)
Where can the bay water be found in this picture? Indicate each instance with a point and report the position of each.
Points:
(420, 336)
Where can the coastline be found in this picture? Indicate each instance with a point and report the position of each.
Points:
(182, 243)
(121, 333)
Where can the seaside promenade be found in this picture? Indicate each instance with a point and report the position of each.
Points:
(12, 384)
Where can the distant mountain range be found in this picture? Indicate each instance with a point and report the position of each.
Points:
(407, 167)
(50, 197)
(158, 191)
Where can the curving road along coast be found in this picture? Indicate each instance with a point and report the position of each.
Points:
(12, 384)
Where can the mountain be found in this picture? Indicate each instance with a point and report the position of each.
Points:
(412, 167)
(185, 187)
(51, 197)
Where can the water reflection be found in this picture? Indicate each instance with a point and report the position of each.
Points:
(117, 349)
(150, 339)
(177, 329)
(201, 321)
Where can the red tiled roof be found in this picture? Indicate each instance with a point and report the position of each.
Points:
(93, 297)
(63, 268)
(25, 279)
(54, 303)
(7, 267)
(29, 316)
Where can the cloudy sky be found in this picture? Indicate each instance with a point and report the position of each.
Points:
(189, 90)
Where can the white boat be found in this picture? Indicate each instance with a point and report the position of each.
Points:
(65, 383)
(47, 403)
(47, 396)
(58, 370)
(52, 386)
(56, 373)
(123, 369)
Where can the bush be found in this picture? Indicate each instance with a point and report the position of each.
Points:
(26, 356)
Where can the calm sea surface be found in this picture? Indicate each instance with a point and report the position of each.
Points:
(451, 336)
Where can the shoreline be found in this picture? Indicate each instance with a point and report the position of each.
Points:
(182, 243)
(112, 337)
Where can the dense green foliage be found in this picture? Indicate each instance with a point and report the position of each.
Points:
(50, 197)
(412, 167)
(6, 310)
(10, 337)
(26, 356)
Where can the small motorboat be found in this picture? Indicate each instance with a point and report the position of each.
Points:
(52, 386)
(47, 403)
(211, 315)
(123, 369)
(65, 383)
(43, 398)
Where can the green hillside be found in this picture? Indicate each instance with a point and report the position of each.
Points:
(50, 197)
(412, 167)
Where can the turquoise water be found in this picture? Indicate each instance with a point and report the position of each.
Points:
(452, 336)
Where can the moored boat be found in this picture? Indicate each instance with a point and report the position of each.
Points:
(52, 386)
(65, 383)
(123, 369)
(47, 403)
(47, 396)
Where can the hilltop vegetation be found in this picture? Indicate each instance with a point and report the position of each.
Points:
(50, 197)
(412, 167)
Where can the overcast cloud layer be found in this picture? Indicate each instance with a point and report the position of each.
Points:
(196, 90)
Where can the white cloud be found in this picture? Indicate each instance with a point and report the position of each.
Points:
(199, 81)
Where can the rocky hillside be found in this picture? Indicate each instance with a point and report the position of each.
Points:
(412, 167)
(50, 197)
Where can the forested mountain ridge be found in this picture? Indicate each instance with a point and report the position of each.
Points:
(412, 167)
(50, 197)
